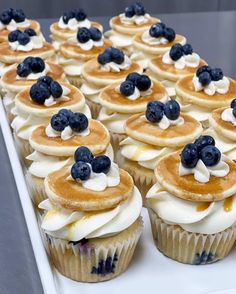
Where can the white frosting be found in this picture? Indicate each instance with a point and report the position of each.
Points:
(146, 155)
(147, 38)
(137, 93)
(227, 115)
(73, 24)
(5, 67)
(165, 122)
(13, 25)
(220, 87)
(136, 19)
(66, 134)
(88, 45)
(114, 67)
(76, 225)
(119, 40)
(35, 76)
(52, 101)
(36, 42)
(202, 173)
(91, 92)
(190, 60)
(71, 66)
(187, 214)
(141, 58)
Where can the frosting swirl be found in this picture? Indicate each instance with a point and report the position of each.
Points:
(71, 66)
(13, 25)
(190, 60)
(135, 19)
(227, 115)
(36, 42)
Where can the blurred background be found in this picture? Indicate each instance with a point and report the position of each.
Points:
(54, 8)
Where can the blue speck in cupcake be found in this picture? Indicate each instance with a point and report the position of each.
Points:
(204, 257)
(105, 267)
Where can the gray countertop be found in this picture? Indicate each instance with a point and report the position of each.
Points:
(211, 35)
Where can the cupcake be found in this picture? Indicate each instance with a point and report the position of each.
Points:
(55, 144)
(192, 207)
(176, 63)
(21, 45)
(35, 106)
(24, 76)
(205, 91)
(110, 66)
(153, 42)
(68, 25)
(83, 46)
(15, 19)
(126, 25)
(150, 136)
(119, 101)
(92, 219)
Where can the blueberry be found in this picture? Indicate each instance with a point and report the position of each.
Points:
(188, 49)
(210, 155)
(104, 57)
(172, 109)
(176, 52)
(154, 111)
(39, 92)
(233, 103)
(30, 32)
(56, 89)
(132, 77)
(143, 83)
(80, 15)
(204, 78)
(67, 16)
(23, 70)
(216, 74)
(66, 112)
(59, 122)
(101, 164)
(96, 35)
(169, 34)
(234, 111)
(129, 11)
(13, 36)
(9, 11)
(117, 56)
(23, 39)
(80, 171)
(127, 88)
(83, 154)
(18, 15)
(156, 30)
(78, 122)
(5, 18)
(37, 65)
(204, 141)
(189, 156)
(83, 35)
(28, 60)
(46, 80)
(139, 8)
(203, 69)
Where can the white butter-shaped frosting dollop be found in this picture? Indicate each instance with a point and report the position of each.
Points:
(52, 101)
(36, 42)
(190, 60)
(66, 134)
(136, 19)
(115, 67)
(73, 24)
(227, 115)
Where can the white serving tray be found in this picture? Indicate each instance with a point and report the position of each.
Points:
(149, 270)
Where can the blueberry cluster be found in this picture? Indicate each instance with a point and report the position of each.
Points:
(156, 110)
(203, 148)
(159, 30)
(105, 267)
(134, 79)
(206, 74)
(9, 14)
(85, 162)
(79, 15)
(22, 37)
(84, 34)
(44, 88)
(30, 65)
(135, 9)
(233, 106)
(111, 54)
(177, 51)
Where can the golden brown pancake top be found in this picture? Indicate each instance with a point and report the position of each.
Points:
(117, 22)
(178, 39)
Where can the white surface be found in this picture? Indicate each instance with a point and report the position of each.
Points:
(148, 272)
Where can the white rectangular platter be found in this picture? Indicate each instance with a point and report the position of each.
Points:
(149, 271)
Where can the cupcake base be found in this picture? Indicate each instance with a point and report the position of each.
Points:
(115, 141)
(94, 108)
(36, 187)
(97, 259)
(74, 80)
(190, 248)
(23, 148)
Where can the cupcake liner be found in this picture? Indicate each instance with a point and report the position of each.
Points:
(23, 148)
(191, 248)
(36, 187)
(115, 141)
(94, 108)
(97, 259)
(74, 80)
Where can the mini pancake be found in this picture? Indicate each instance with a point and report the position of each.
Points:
(185, 90)
(139, 128)
(130, 29)
(25, 104)
(114, 101)
(186, 187)
(69, 50)
(7, 55)
(156, 49)
(168, 71)
(224, 128)
(97, 141)
(70, 194)
(93, 73)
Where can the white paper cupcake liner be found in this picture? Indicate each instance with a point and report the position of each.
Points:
(36, 188)
(115, 141)
(94, 108)
(75, 81)
(23, 148)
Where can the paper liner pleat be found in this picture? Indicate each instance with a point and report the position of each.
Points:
(83, 262)
(36, 188)
(115, 141)
(23, 148)
(75, 81)
(94, 108)
(191, 248)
